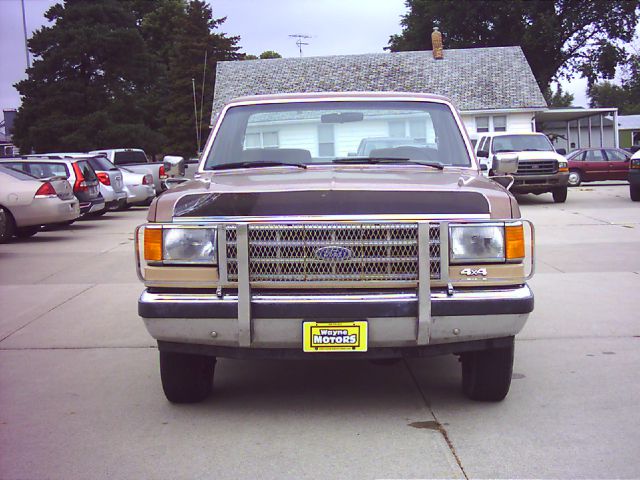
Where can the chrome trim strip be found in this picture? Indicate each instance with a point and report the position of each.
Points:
(335, 218)
(444, 252)
(424, 286)
(222, 254)
(244, 288)
(516, 293)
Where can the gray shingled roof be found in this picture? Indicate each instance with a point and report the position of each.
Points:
(474, 78)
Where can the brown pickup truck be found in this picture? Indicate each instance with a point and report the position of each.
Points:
(287, 246)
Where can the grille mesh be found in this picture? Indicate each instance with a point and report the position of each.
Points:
(382, 252)
(537, 167)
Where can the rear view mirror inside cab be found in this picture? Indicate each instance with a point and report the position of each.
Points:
(342, 117)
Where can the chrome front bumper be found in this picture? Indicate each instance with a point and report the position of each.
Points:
(395, 319)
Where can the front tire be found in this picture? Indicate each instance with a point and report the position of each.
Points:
(575, 178)
(486, 374)
(186, 378)
(7, 227)
(634, 191)
(560, 195)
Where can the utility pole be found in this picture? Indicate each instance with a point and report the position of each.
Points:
(299, 41)
(24, 28)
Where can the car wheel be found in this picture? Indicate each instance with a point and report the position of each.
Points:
(486, 375)
(186, 378)
(575, 178)
(634, 191)
(560, 195)
(7, 227)
(27, 232)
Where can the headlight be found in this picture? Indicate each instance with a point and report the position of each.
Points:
(189, 245)
(477, 243)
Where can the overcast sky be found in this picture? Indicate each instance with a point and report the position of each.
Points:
(336, 27)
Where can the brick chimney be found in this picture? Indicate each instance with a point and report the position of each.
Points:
(436, 42)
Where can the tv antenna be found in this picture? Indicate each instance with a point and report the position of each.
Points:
(299, 42)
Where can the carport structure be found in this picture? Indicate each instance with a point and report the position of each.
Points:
(573, 128)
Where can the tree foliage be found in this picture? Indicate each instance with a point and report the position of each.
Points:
(270, 54)
(559, 37)
(558, 98)
(626, 97)
(117, 73)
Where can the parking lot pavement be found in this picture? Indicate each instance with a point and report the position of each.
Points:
(80, 394)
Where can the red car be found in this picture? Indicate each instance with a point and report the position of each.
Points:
(593, 164)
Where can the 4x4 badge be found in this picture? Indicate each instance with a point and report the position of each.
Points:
(474, 272)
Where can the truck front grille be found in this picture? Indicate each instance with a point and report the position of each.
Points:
(321, 252)
(537, 167)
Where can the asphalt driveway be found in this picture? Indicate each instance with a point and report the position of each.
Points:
(80, 393)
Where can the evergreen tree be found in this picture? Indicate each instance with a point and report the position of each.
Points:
(91, 70)
(186, 66)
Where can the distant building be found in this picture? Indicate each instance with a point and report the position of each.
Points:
(7, 149)
(629, 130)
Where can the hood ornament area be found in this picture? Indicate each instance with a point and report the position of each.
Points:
(333, 253)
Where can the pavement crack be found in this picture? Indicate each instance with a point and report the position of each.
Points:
(44, 313)
(438, 426)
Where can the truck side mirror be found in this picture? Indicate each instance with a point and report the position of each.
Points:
(482, 153)
(174, 166)
(561, 151)
(505, 163)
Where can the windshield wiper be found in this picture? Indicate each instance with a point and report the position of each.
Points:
(385, 160)
(254, 164)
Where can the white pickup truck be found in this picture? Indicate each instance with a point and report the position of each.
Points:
(137, 161)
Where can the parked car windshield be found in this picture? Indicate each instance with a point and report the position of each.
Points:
(87, 170)
(521, 143)
(101, 163)
(40, 169)
(321, 132)
(130, 157)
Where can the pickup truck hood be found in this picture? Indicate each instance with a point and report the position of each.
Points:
(336, 190)
(526, 156)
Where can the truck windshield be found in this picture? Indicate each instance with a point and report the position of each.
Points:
(521, 143)
(308, 133)
(129, 157)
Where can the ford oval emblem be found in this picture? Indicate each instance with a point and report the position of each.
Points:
(334, 253)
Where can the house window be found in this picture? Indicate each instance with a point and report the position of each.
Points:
(635, 137)
(326, 141)
(500, 123)
(261, 140)
(482, 124)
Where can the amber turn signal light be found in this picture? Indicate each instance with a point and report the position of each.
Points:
(153, 244)
(514, 236)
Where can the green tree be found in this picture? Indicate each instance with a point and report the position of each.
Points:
(559, 98)
(186, 65)
(559, 37)
(626, 96)
(90, 72)
(270, 54)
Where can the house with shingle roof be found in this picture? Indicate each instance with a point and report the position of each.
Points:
(493, 88)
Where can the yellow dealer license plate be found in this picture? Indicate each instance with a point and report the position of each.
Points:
(334, 337)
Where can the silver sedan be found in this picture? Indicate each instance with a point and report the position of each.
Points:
(139, 187)
(27, 203)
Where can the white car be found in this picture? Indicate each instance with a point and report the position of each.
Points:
(139, 187)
